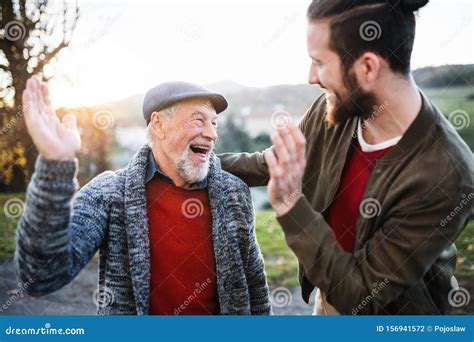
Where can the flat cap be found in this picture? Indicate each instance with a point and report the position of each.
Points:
(169, 93)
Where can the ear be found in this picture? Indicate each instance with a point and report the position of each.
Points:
(367, 69)
(157, 125)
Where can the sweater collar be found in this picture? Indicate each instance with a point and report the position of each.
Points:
(136, 225)
(153, 169)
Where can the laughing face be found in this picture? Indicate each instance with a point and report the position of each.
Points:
(186, 139)
(345, 98)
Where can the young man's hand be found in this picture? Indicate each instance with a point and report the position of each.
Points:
(54, 139)
(286, 164)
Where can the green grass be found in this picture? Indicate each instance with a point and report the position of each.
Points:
(7, 227)
(280, 262)
(452, 99)
(465, 246)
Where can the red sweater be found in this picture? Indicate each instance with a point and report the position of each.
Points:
(344, 211)
(183, 267)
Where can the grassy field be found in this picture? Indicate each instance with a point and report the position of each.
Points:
(7, 227)
(452, 99)
(281, 264)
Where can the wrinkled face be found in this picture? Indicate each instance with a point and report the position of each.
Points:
(188, 138)
(344, 96)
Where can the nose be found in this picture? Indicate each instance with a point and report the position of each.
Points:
(210, 132)
(313, 75)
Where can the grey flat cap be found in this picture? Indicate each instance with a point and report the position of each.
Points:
(167, 94)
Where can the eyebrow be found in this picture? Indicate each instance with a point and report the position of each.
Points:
(315, 59)
(199, 112)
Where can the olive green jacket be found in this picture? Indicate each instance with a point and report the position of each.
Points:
(404, 256)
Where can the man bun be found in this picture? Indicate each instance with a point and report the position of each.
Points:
(412, 5)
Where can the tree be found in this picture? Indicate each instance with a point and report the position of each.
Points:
(232, 138)
(31, 35)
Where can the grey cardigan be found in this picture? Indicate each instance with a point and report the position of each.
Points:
(59, 233)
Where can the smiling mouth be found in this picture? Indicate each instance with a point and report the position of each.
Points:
(200, 150)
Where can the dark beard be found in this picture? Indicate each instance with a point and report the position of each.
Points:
(357, 102)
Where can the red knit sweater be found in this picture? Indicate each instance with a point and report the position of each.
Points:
(183, 267)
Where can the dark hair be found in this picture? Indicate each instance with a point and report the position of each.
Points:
(385, 27)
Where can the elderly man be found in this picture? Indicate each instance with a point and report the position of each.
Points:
(174, 232)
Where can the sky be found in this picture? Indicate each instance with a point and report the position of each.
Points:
(121, 48)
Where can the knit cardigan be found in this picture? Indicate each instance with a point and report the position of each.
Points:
(60, 232)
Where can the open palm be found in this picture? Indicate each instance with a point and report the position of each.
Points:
(54, 139)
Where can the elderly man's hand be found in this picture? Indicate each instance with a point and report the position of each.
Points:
(286, 168)
(54, 139)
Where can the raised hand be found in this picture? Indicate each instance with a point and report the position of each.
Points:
(54, 139)
(286, 164)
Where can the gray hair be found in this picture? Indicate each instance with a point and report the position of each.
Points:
(168, 113)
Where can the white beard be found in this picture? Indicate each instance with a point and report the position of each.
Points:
(190, 172)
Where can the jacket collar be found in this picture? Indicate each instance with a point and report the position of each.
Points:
(420, 129)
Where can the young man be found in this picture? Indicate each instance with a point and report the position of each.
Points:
(372, 206)
(175, 233)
